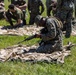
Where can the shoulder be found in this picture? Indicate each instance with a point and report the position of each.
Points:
(50, 22)
(18, 10)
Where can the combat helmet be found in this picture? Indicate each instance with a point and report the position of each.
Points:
(37, 19)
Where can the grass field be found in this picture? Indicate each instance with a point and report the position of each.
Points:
(19, 68)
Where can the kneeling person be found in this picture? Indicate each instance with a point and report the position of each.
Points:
(51, 35)
(16, 14)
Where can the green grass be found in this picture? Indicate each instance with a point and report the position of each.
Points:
(40, 68)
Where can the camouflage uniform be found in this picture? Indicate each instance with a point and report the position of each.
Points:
(33, 7)
(64, 13)
(14, 15)
(20, 3)
(51, 37)
(2, 9)
(51, 6)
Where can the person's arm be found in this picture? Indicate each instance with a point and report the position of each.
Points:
(19, 22)
(19, 18)
(51, 34)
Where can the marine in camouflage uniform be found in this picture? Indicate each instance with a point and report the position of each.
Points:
(22, 5)
(51, 6)
(2, 9)
(65, 13)
(34, 9)
(16, 14)
(51, 35)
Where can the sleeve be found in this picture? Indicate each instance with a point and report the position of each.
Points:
(51, 34)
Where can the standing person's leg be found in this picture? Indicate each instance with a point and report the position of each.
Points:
(32, 18)
(68, 29)
(48, 12)
(9, 17)
(69, 24)
(24, 20)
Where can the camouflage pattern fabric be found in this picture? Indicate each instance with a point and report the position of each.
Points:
(51, 6)
(19, 53)
(33, 7)
(52, 38)
(64, 13)
(19, 3)
(15, 15)
(48, 3)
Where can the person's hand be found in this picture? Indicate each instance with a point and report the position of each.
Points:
(38, 35)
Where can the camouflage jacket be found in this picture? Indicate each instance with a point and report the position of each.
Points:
(65, 10)
(18, 13)
(53, 34)
(66, 5)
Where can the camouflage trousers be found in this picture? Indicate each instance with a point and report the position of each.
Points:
(32, 18)
(48, 48)
(24, 17)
